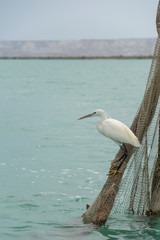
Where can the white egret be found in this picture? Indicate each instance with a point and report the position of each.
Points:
(115, 130)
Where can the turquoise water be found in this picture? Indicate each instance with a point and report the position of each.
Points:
(52, 165)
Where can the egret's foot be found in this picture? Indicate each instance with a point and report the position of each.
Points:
(113, 172)
(114, 165)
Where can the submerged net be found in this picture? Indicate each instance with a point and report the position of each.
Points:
(137, 185)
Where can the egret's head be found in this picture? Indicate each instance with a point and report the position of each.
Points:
(98, 112)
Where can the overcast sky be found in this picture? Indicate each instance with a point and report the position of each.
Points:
(77, 19)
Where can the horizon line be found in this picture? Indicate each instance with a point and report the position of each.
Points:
(82, 39)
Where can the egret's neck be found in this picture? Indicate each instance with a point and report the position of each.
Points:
(103, 116)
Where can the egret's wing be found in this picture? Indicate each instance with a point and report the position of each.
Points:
(117, 131)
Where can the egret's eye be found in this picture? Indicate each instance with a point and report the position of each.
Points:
(94, 113)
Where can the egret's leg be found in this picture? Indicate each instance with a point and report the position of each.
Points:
(113, 171)
(124, 156)
(125, 148)
(121, 162)
(116, 163)
(125, 152)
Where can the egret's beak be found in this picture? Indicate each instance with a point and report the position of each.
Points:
(89, 115)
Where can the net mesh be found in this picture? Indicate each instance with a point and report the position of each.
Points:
(136, 186)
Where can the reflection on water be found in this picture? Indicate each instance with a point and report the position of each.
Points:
(117, 227)
(74, 229)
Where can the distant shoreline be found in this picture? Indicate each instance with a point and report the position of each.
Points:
(76, 58)
(79, 49)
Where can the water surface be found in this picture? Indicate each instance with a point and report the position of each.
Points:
(52, 165)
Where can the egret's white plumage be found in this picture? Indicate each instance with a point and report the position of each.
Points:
(113, 129)
(118, 132)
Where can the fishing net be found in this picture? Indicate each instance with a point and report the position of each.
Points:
(137, 186)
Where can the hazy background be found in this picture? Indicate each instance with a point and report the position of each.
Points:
(77, 19)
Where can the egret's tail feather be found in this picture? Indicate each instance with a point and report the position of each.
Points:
(137, 143)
